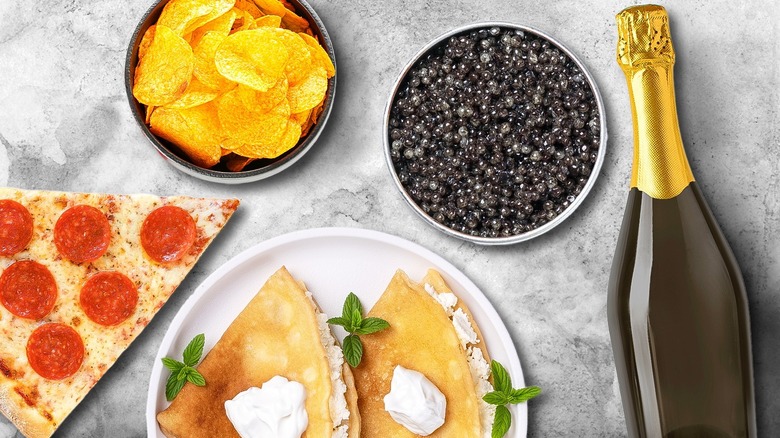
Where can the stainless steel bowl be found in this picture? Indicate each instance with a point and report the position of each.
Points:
(258, 169)
(519, 237)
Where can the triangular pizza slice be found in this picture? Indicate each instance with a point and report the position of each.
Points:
(81, 275)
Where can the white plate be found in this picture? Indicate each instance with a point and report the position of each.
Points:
(332, 262)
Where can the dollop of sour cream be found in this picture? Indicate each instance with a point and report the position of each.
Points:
(277, 409)
(415, 402)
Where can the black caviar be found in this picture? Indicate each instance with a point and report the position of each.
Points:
(495, 132)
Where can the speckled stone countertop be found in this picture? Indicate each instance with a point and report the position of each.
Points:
(65, 125)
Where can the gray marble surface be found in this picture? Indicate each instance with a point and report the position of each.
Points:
(65, 124)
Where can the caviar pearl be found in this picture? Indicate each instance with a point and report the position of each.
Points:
(495, 132)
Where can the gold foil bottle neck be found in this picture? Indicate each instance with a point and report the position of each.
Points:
(645, 54)
(643, 37)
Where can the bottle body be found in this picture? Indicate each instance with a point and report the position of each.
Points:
(679, 322)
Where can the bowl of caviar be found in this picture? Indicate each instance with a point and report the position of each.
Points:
(495, 133)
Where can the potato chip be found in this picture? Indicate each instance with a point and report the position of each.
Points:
(289, 138)
(195, 94)
(264, 129)
(196, 131)
(319, 54)
(222, 25)
(268, 21)
(164, 72)
(149, 111)
(299, 64)
(146, 41)
(301, 117)
(310, 92)
(237, 163)
(205, 67)
(221, 7)
(250, 7)
(180, 15)
(271, 7)
(256, 58)
(263, 100)
(295, 22)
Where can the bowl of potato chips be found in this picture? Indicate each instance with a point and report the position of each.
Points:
(231, 91)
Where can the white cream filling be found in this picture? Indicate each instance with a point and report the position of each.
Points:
(479, 367)
(339, 412)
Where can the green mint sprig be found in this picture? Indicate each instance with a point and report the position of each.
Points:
(183, 372)
(503, 395)
(353, 322)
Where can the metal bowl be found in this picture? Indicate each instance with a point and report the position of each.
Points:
(259, 169)
(529, 234)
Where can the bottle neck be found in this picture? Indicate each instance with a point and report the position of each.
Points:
(661, 169)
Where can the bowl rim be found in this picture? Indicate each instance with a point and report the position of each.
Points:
(529, 234)
(225, 177)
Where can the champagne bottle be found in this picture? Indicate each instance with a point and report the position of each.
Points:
(677, 307)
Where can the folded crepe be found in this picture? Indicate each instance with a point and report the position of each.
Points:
(431, 332)
(280, 332)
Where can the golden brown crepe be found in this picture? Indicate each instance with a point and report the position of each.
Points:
(276, 334)
(421, 337)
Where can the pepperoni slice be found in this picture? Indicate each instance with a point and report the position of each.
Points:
(28, 290)
(108, 298)
(55, 351)
(16, 227)
(82, 234)
(168, 233)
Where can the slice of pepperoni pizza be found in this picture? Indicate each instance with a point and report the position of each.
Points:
(81, 275)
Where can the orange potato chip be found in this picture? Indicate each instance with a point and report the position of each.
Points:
(250, 7)
(180, 15)
(146, 41)
(237, 163)
(149, 111)
(317, 111)
(196, 131)
(295, 22)
(243, 125)
(196, 94)
(222, 25)
(271, 7)
(220, 8)
(309, 93)
(288, 139)
(256, 58)
(319, 54)
(245, 22)
(301, 117)
(205, 67)
(268, 21)
(263, 100)
(299, 63)
(164, 72)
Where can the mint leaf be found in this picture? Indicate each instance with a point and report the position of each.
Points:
(173, 365)
(371, 325)
(351, 304)
(353, 350)
(182, 374)
(355, 320)
(523, 394)
(195, 377)
(501, 380)
(501, 422)
(172, 387)
(496, 398)
(194, 350)
(339, 320)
